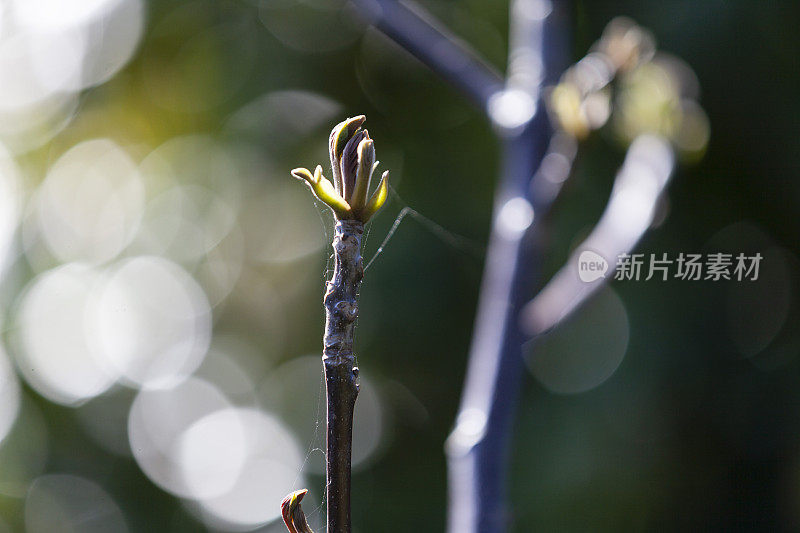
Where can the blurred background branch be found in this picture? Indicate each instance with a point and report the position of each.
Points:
(479, 445)
(418, 32)
(160, 274)
(536, 165)
(634, 199)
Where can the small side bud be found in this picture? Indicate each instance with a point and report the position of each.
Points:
(292, 512)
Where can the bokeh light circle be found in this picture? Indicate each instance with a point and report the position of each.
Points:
(24, 452)
(71, 504)
(10, 204)
(157, 423)
(756, 310)
(584, 352)
(52, 348)
(150, 321)
(90, 205)
(295, 390)
(10, 395)
(271, 469)
(211, 453)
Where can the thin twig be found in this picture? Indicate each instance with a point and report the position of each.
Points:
(341, 311)
(352, 154)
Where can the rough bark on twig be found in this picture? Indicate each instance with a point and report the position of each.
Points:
(341, 310)
(352, 154)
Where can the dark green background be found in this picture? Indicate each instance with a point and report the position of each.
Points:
(688, 434)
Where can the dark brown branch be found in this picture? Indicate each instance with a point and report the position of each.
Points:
(341, 311)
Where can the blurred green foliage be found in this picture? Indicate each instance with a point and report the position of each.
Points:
(688, 434)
